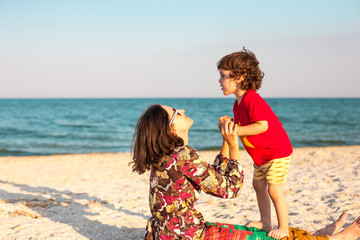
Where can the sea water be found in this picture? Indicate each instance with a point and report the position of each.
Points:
(62, 126)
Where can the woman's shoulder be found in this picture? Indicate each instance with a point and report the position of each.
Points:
(186, 152)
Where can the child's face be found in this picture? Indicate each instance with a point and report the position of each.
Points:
(228, 84)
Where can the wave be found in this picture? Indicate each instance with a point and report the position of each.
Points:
(6, 152)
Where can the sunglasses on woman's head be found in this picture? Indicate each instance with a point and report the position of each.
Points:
(176, 112)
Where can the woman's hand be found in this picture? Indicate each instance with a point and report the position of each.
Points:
(229, 132)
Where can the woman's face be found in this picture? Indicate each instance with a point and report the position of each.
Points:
(181, 122)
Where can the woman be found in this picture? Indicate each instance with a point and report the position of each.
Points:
(178, 174)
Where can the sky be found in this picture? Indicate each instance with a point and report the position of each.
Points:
(136, 49)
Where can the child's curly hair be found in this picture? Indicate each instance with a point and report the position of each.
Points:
(244, 64)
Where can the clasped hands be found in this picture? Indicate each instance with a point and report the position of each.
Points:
(228, 130)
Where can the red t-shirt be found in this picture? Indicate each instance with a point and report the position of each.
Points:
(269, 145)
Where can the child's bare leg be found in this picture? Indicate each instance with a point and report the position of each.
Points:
(278, 198)
(350, 233)
(263, 200)
(333, 228)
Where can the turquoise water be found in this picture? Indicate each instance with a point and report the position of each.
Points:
(58, 126)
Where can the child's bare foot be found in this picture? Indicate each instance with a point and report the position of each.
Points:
(259, 225)
(333, 228)
(278, 233)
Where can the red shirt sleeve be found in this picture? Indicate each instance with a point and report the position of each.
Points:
(255, 107)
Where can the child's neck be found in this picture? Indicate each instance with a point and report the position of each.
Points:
(239, 95)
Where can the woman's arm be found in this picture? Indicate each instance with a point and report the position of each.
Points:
(225, 149)
(208, 177)
(223, 179)
(229, 133)
(230, 146)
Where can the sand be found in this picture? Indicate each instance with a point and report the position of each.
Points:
(97, 196)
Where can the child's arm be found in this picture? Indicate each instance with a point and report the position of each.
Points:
(253, 129)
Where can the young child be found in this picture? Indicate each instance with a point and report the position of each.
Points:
(262, 135)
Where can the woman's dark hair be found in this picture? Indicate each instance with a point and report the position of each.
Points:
(243, 63)
(153, 139)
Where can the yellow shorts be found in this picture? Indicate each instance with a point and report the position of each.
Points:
(275, 171)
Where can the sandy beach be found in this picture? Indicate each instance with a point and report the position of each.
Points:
(97, 196)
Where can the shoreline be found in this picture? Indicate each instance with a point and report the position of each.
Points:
(97, 196)
(211, 149)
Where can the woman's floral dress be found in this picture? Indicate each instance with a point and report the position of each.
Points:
(176, 185)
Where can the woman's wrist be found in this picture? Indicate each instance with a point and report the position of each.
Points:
(225, 149)
(233, 145)
(234, 152)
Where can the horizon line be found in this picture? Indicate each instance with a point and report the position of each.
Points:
(73, 98)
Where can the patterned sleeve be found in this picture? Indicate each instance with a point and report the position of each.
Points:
(221, 164)
(223, 179)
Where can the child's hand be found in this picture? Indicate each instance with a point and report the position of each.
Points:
(229, 132)
(223, 119)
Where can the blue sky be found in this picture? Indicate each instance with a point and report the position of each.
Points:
(170, 48)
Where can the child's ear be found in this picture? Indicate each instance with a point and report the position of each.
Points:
(240, 79)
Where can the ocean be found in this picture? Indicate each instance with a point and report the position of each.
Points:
(65, 126)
